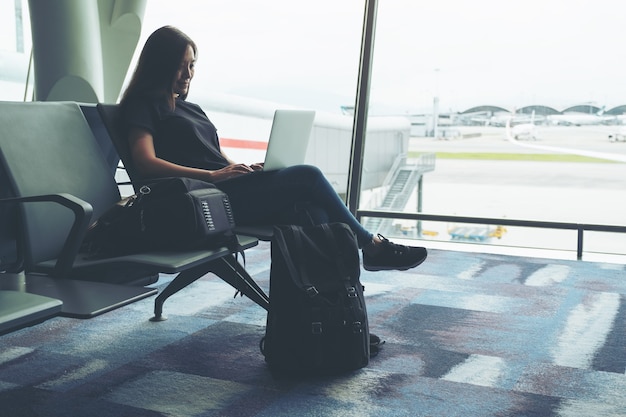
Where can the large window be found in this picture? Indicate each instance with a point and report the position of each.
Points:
(519, 103)
(15, 48)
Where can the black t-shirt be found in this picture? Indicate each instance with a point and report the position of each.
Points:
(184, 136)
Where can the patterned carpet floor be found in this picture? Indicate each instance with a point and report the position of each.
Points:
(466, 335)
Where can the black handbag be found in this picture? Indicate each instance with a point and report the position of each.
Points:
(317, 320)
(169, 214)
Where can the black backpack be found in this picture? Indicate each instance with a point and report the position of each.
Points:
(168, 214)
(317, 321)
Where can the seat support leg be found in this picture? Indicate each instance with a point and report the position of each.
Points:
(228, 269)
(232, 272)
(180, 281)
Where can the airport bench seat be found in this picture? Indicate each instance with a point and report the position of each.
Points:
(60, 180)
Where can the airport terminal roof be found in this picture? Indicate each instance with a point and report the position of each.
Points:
(547, 110)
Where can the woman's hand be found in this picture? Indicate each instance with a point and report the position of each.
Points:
(257, 167)
(229, 171)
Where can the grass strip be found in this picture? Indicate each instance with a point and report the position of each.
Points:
(538, 157)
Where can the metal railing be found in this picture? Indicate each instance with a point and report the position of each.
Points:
(580, 228)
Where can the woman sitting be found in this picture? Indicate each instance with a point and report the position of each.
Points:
(171, 137)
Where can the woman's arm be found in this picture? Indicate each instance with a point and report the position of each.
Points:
(149, 165)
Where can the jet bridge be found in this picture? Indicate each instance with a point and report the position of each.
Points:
(404, 177)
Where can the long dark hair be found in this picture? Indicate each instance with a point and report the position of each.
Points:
(158, 63)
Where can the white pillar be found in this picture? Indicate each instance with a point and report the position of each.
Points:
(67, 54)
(82, 48)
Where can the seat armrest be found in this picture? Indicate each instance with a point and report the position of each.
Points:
(83, 211)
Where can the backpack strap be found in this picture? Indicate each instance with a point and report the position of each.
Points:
(351, 290)
(299, 275)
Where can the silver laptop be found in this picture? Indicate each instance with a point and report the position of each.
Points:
(289, 138)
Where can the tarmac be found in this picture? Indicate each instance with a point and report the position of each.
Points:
(576, 192)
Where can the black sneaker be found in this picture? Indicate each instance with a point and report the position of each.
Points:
(386, 256)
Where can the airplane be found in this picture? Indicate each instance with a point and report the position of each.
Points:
(526, 130)
(580, 119)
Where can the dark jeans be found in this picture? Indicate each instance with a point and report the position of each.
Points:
(295, 195)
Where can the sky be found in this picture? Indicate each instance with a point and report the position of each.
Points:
(512, 54)
(515, 53)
